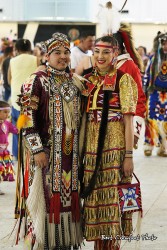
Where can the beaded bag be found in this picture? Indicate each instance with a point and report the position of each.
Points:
(130, 196)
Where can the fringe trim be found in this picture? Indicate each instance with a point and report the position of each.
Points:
(37, 207)
(126, 222)
(19, 229)
(69, 118)
(110, 244)
(96, 232)
(69, 112)
(16, 232)
(55, 204)
(101, 213)
(107, 157)
(106, 177)
(67, 233)
(139, 220)
(22, 228)
(138, 229)
(75, 207)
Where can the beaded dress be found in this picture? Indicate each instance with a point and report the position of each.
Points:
(156, 123)
(102, 215)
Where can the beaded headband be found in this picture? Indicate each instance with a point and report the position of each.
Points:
(5, 108)
(57, 40)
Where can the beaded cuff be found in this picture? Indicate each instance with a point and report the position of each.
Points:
(34, 143)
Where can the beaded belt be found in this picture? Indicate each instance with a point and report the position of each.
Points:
(95, 115)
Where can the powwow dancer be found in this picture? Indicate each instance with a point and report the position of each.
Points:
(50, 121)
(107, 148)
(156, 83)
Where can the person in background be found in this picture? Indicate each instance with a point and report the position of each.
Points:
(49, 125)
(155, 83)
(20, 67)
(6, 127)
(84, 48)
(37, 51)
(5, 66)
(143, 53)
(107, 151)
(4, 43)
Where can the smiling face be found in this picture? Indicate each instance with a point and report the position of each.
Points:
(59, 58)
(103, 55)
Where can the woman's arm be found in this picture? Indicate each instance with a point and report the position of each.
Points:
(127, 166)
(128, 100)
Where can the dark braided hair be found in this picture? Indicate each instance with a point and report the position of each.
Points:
(85, 192)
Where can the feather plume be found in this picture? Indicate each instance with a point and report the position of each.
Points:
(126, 33)
(109, 19)
(23, 122)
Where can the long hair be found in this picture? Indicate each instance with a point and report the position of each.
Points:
(102, 132)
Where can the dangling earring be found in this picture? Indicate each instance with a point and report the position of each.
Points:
(113, 61)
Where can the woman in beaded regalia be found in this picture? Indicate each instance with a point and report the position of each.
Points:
(108, 145)
(49, 214)
(155, 81)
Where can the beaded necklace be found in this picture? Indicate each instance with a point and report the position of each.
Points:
(62, 81)
(54, 71)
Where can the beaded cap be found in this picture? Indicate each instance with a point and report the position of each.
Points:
(57, 40)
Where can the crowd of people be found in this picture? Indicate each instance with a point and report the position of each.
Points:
(79, 114)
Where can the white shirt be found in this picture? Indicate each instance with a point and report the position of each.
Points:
(76, 56)
(22, 66)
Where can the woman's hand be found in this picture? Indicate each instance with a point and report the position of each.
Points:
(41, 159)
(127, 167)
